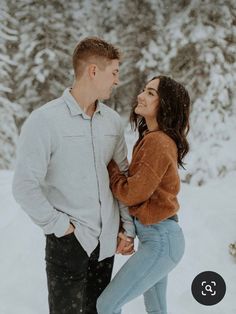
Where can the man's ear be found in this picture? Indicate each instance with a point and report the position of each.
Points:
(92, 70)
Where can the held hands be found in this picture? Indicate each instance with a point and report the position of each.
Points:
(125, 245)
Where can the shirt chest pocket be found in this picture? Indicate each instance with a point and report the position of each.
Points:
(72, 139)
(73, 143)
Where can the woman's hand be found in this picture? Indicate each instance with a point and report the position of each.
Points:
(112, 168)
(125, 245)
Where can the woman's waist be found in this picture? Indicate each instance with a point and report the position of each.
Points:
(155, 210)
(174, 217)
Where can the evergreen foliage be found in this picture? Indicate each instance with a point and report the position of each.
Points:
(9, 110)
(192, 41)
(196, 45)
(46, 39)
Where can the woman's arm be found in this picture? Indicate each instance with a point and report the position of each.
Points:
(153, 162)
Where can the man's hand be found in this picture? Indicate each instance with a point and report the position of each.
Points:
(125, 244)
(70, 229)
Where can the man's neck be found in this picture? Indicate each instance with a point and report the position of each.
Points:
(83, 97)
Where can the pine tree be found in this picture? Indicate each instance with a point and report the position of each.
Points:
(196, 46)
(119, 22)
(9, 111)
(46, 40)
(134, 27)
(211, 80)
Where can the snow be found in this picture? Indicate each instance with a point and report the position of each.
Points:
(207, 217)
(207, 212)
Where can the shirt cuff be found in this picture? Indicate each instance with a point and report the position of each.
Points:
(129, 229)
(61, 225)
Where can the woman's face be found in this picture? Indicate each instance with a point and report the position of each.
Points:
(148, 100)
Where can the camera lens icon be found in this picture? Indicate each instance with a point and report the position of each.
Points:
(208, 288)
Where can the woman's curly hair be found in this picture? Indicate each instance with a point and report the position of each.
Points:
(172, 114)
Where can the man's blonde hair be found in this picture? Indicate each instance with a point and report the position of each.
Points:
(93, 50)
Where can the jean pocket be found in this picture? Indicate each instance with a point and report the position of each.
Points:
(176, 245)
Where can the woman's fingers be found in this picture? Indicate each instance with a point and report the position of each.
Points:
(121, 245)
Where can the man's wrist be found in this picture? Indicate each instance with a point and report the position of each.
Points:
(127, 234)
(70, 229)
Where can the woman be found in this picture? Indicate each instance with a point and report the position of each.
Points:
(150, 190)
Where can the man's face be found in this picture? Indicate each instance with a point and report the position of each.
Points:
(106, 79)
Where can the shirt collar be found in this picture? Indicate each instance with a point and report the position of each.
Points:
(75, 108)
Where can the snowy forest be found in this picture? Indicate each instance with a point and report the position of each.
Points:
(193, 41)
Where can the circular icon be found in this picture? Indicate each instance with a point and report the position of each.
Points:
(208, 288)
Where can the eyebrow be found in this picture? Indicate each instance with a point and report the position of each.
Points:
(151, 88)
(116, 70)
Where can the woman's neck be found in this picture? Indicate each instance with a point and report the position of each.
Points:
(152, 125)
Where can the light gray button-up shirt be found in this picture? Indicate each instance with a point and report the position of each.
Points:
(61, 172)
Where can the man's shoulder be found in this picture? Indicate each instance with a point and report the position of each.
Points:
(109, 111)
(49, 110)
(111, 118)
(51, 106)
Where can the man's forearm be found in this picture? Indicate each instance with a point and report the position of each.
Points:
(28, 193)
(33, 158)
(127, 221)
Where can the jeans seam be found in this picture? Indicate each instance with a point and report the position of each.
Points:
(147, 271)
(170, 255)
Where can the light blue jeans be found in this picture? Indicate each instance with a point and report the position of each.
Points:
(161, 247)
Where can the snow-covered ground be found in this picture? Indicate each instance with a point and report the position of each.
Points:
(207, 216)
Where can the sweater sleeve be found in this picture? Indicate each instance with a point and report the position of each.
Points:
(153, 161)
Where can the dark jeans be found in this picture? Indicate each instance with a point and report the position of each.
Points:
(75, 280)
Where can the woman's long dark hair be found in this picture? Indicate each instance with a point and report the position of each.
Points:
(172, 115)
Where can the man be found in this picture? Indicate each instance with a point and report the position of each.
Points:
(62, 183)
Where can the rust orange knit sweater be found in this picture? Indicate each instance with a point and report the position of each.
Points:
(152, 185)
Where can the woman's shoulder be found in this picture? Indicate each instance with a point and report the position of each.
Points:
(158, 137)
(158, 142)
